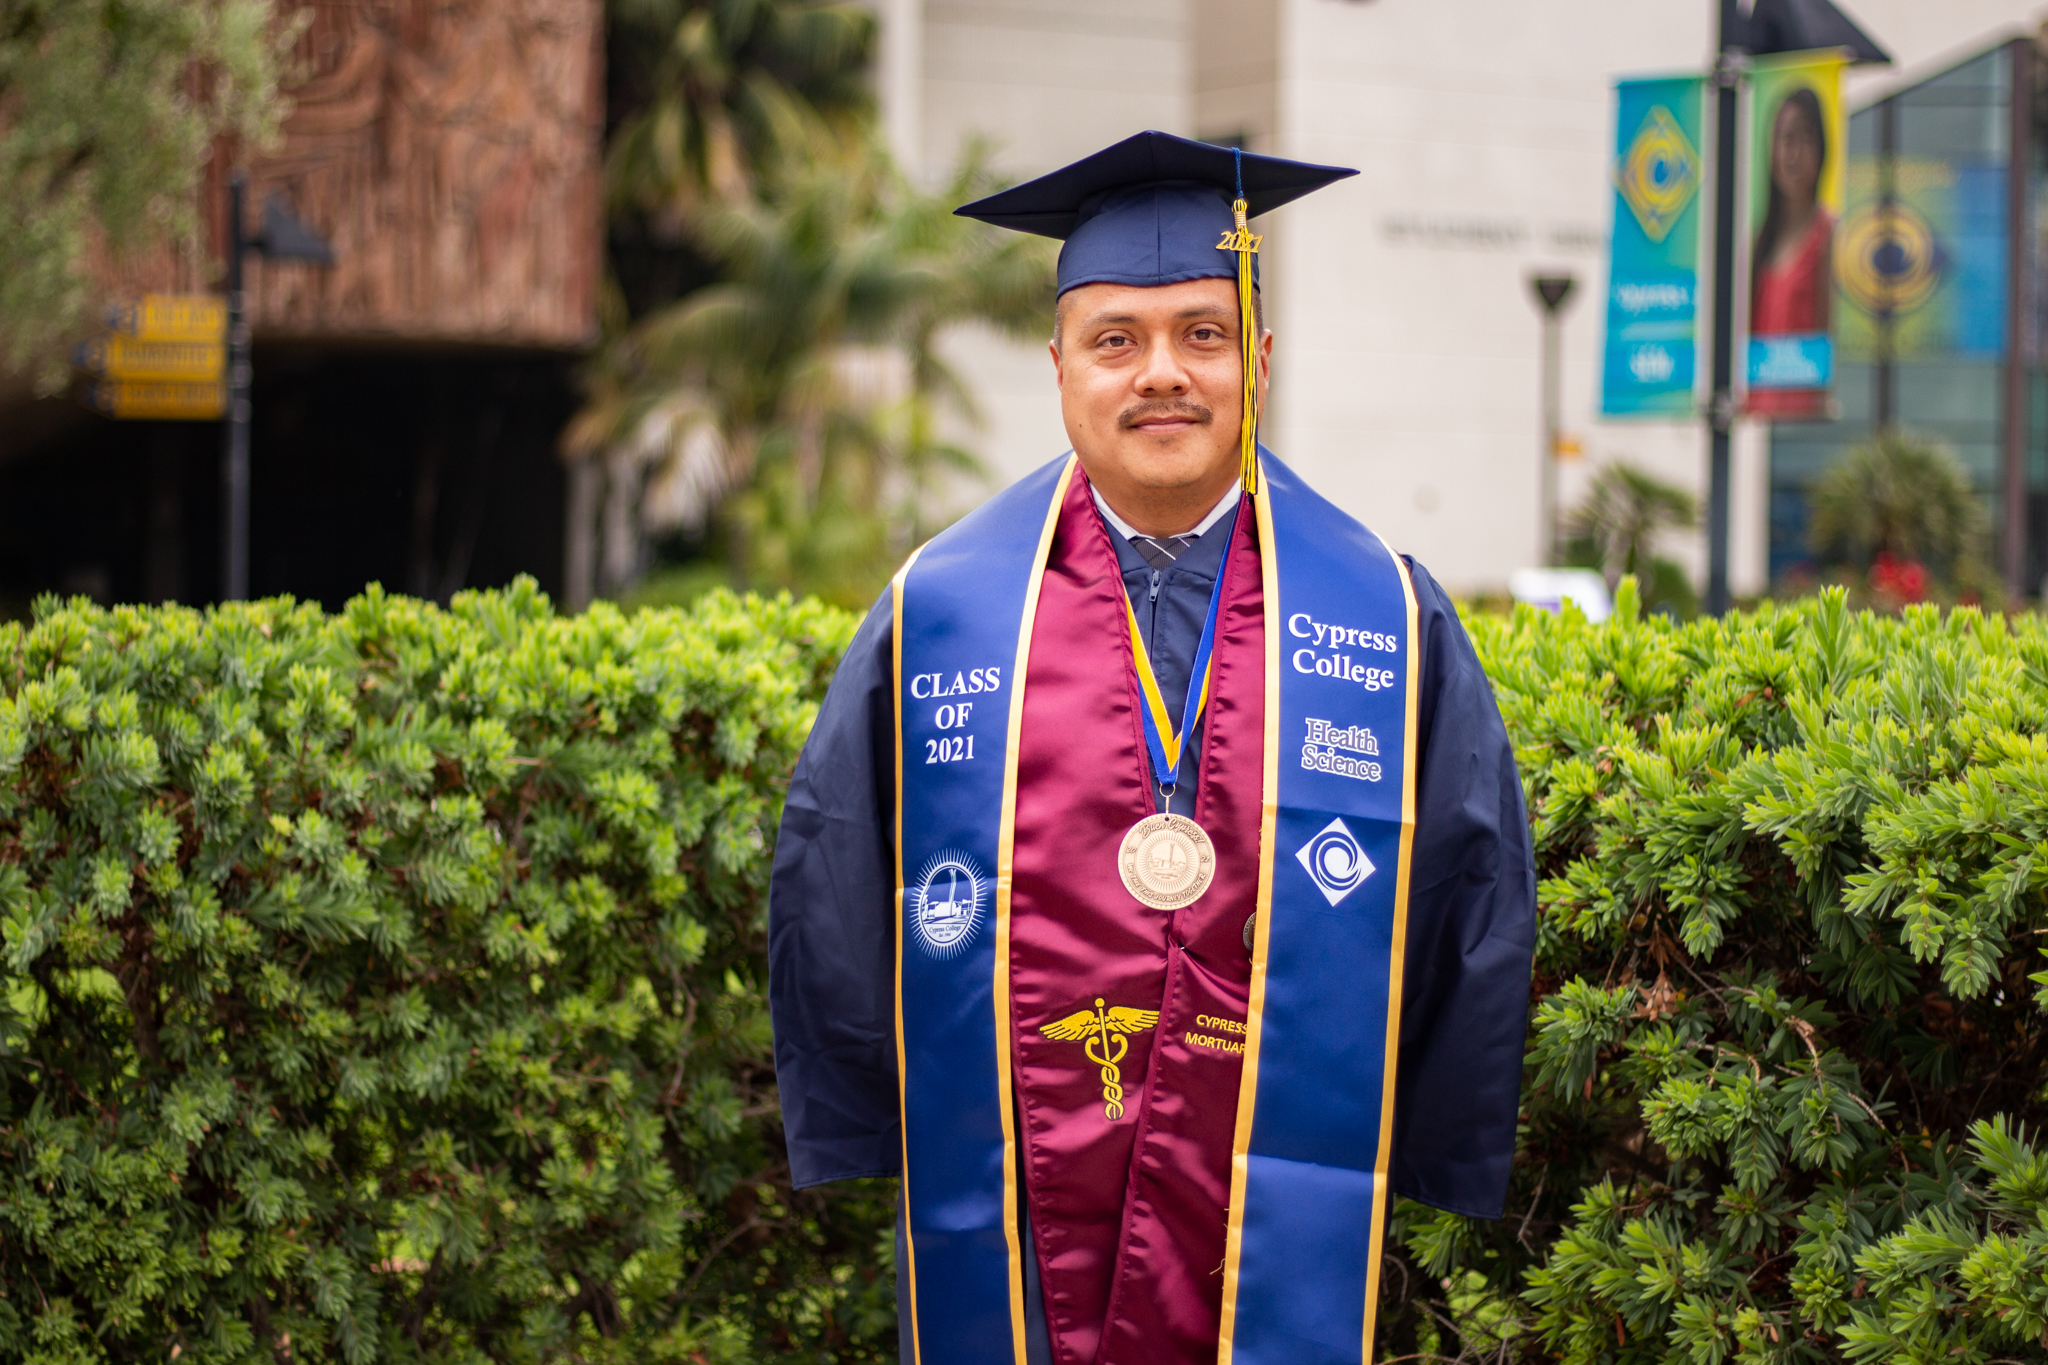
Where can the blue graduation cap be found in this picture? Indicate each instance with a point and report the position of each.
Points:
(1156, 209)
(1151, 209)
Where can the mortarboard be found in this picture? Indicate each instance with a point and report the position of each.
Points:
(1149, 210)
(1156, 209)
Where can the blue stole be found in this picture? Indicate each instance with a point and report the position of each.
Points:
(1315, 1109)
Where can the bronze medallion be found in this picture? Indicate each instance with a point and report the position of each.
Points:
(1167, 861)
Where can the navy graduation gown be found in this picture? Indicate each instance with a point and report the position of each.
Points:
(1471, 918)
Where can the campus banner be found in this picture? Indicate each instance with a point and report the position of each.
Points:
(1920, 258)
(1653, 281)
(1799, 143)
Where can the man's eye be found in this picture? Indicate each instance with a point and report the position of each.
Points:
(1206, 334)
(1116, 341)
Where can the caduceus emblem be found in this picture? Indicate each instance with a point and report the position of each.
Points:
(1104, 1030)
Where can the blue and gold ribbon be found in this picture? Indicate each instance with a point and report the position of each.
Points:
(1161, 738)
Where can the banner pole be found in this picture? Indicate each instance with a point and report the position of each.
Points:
(1721, 405)
(234, 511)
(2020, 159)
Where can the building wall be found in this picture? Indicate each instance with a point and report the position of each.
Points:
(1407, 354)
(1043, 78)
(1411, 392)
(1237, 72)
(449, 150)
(1043, 82)
(406, 400)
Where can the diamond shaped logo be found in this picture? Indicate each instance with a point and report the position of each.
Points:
(1335, 861)
(1659, 174)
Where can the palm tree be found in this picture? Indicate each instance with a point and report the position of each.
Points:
(769, 370)
(709, 97)
(1624, 511)
(1904, 498)
(798, 401)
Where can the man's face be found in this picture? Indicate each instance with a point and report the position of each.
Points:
(1150, 387)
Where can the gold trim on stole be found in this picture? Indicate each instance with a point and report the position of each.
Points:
(1006, 838)
(1255, 1004)
(1248, 1084)
(902, 1061)
(1397, 959)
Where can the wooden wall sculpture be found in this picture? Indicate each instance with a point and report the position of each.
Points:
(449, 149)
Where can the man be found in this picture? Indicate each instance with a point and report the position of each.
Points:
(1158, 821)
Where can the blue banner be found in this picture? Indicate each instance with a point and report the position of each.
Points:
(1315, 1133)
(963, 606)
(1920, 259)
(1653, 279)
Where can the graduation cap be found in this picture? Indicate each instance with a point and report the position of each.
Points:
(1151, 209)
(1156, 209)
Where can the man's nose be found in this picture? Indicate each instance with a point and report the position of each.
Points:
(1162, 375)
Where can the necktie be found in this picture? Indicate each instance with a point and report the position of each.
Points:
(1161, 551)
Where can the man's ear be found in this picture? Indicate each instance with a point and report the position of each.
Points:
(1059, 375)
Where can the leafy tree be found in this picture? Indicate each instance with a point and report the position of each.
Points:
(1785, 1073)
(1899, 499)
(1615, 530)
(800, 398)
(108, 111)
(388, 986)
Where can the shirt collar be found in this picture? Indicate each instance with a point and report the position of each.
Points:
(1130, 532)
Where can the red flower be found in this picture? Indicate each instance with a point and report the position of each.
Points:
(1904, 579)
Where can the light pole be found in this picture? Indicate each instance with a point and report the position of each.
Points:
(1728, 66)
(283, 238)
(1551, 293)
(234, 460)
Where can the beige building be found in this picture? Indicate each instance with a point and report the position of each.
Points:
(1406, 363)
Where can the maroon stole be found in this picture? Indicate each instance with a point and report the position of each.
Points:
(1128, 1213)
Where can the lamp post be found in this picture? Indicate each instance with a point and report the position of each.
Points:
(283, 238)
(1551, 292)
(1721, 401)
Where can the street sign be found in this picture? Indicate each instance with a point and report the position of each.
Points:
(171, 317)
(124, 357)
(164, 358)
(159, 400)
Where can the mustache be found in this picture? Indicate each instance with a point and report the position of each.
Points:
(1150, 412)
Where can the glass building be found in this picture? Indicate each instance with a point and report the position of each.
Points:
(1936, 304)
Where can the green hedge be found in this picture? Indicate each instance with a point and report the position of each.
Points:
(388, 986)
(1785, 1072)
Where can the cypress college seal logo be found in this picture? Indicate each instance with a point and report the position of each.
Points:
(1659, 174)
(946, 903)
(1334, 860)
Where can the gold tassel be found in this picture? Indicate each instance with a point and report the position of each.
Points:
(1245, 243)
